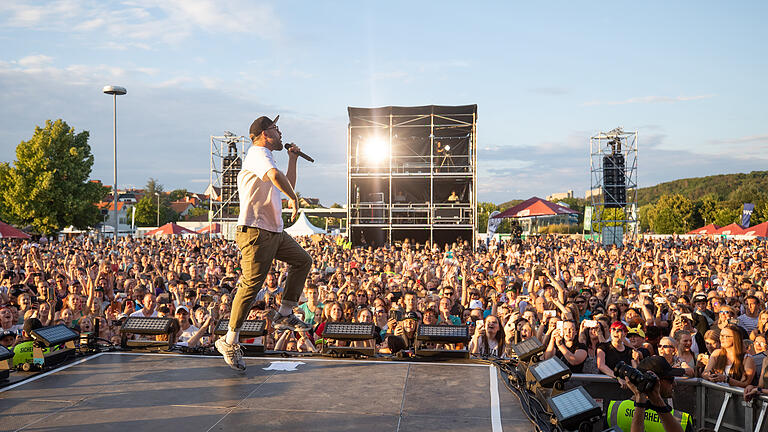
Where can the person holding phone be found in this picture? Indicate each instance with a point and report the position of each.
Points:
(564, 345)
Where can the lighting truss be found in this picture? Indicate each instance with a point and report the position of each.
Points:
(250, 328)
(574, 408)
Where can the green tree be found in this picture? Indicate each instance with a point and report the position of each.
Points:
(484, 209)
(727, 212)
(48, 185)
(146, 212)
(672, 214)
(643, 217)
(760, 214)
(177, 194)
(705, 210)
(198, 211)
(146, 208)
(153, 186)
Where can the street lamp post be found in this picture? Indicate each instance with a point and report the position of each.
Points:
(115, 91)
(158, 209)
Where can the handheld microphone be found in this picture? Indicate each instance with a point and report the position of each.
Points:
(289, 145)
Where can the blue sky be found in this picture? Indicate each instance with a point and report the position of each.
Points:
(688, 76)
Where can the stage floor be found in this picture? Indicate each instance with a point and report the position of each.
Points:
(157, 392)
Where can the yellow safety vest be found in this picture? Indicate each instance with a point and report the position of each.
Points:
(620, 414)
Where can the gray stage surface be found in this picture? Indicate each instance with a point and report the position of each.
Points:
(136, 392)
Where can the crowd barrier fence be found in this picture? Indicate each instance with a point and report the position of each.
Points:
(712, 405)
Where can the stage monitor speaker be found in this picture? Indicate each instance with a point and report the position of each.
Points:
(614, 181)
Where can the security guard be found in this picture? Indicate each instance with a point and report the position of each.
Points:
(649, 412)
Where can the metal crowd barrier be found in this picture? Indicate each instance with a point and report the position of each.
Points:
(712, 405)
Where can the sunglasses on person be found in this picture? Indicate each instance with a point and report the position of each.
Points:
(580, 301)
(667, 346)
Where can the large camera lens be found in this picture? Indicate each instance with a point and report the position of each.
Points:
(644, 382)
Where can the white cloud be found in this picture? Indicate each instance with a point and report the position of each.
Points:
(651, 99)
(142, 23)
(35, 61)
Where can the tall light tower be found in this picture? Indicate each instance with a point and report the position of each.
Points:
(115, 91)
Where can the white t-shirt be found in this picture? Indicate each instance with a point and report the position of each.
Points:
(260, 202)
(187, 334)
(140, 313)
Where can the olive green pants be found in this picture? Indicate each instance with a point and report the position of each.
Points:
(258, 248)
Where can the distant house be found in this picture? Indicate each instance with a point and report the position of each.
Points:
(182, 207)
(213, 192)
(108, 214)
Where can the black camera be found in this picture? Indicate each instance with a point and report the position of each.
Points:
(645, 382)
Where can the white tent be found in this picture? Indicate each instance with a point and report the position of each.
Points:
(303, 227)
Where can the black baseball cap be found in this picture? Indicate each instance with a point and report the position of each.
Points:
(660, 366)
(260, 125)
(412, 316)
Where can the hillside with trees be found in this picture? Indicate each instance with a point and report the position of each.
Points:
(722, 187)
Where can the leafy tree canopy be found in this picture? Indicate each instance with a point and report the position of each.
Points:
(48, 185)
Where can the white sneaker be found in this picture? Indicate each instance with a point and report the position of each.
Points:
(233, 355)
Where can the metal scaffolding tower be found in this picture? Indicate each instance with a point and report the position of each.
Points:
(227, 152)
(613, 180)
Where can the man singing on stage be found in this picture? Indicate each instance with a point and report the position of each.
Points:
(261, 238)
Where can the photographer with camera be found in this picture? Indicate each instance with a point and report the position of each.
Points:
(651, 384)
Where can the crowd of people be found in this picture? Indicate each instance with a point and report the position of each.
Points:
(700, 303)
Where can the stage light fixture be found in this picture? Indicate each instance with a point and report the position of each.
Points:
(58, 336)
(375, 149)
(528, 349)
(442, 334)
(447, 148)
(349, 332)
(249, 329)
(5, 353)
(6, 362)
(550, 373)
(147, 325)
(54, 335)
(153, 326)
(575, 408)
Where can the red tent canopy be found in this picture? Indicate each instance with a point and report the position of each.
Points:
(535, 207)
(706, 230)
(170, 229)
(760, 230)
(732, 229)
(214, 228)
(7, 231)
